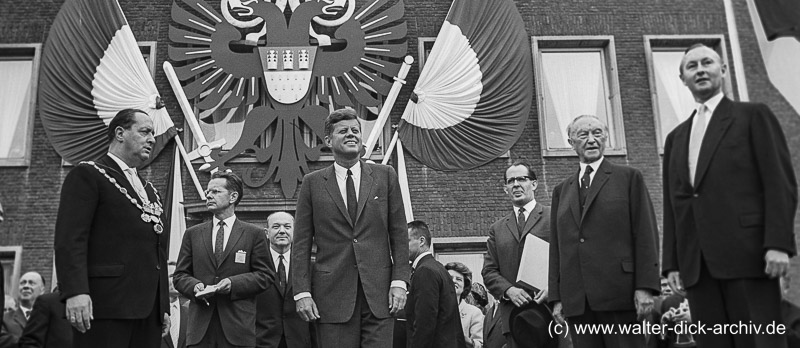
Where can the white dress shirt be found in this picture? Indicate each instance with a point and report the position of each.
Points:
(227, 229)
(595, 165)
(276, 259)
(528, 209)
(133, 177)
(341, 178)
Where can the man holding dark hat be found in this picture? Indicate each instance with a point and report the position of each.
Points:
(505, 244)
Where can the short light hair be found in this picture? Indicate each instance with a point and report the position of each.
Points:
(576, 119)
(692, 47)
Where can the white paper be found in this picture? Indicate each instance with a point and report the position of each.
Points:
(534, 264)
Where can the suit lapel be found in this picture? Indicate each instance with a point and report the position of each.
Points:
(720, 121)
(573, 196)
(681, 151)
(600, 179)
(107, 163)
(511, 226)
(206, 236)
(233, 239)
(365, 188)
(332, 186)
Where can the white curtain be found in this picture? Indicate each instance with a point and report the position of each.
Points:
(675, 102)
(574, 85)
(15, 97)
(177, 212)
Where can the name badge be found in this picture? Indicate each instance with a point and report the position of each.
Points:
(240, 256)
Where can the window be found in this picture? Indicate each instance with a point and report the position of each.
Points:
(19, 71)
(425, 47)
(148, 49)
(576, 76)
(672, 101)
(11, 261)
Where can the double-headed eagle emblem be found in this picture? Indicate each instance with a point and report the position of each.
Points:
(283, 64)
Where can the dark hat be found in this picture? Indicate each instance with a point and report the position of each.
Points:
(529, 326)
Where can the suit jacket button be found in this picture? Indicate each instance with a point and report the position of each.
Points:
(696, 195)
(355, 266)
(582, 240)
(158, 266)
(355, 240)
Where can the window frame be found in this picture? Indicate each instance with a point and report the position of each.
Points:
(34, 51)
(655, 43)
(605, 43)
(149, 49)
(14, 253)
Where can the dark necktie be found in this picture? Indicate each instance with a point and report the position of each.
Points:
(352, 202)
(586, 181)
(281, 274)
(27, 313)
(521, 221)
(218, 243)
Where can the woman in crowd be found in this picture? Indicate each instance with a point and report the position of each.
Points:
(471, 316)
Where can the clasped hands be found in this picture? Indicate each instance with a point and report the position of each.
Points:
(307, 308)
(519, 297)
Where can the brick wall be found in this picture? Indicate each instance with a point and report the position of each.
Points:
(456, 204)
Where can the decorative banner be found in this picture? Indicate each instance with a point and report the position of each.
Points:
(779, 18)
(91, 69)
(474, 94)
(283, 76)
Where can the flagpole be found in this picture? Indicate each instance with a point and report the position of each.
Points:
(736, 50)
(388, 104)
(188, 163)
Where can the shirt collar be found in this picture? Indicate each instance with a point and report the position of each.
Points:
(711, 103)
(286, 256)
(416, 261)
(342, 171)
(528, 207)
(122, 165)
(595, 165)
(228, 222)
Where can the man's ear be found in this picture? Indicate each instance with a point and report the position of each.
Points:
(327, 141)
(118, 133)
(234, 196)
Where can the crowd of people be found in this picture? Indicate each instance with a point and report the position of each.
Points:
(335, 274)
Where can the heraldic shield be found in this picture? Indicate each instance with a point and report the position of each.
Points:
(287, 71)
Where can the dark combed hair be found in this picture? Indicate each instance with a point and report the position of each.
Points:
(232, 183)
(418, 229)
(527, 166)
(464, 270)
(125, 119)
(337, 116)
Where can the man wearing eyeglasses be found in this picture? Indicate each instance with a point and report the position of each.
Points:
(506, 240)
(603, 242)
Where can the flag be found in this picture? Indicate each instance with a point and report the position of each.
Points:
(173, 205)
(779, 18)
(91, 69)
(474, 94)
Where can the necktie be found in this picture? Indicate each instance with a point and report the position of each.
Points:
(137, 184)
(521, 221)
(352, 202)
(586, 182)
(27, 313)
(218, 243)
(174, 323)
(281, 274)
(696, 139)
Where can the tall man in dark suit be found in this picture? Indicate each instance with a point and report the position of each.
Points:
(603, 242)
(277, 323)
(178, 310)
(230, 257)
(47, 325)
(433, 319)
(506, 242)
(111, 249)
(353, 210)
(31, 286)
(730, 197)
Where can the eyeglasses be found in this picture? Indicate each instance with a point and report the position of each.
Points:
(519, 179)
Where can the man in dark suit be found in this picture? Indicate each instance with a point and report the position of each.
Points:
(277, 324)
(230, 257)
(730, 197)
(31, 286)
(603, 242)
(506, 242)
(47, 326)
(353, 210)
(492, 327)
(111, 252)
(178, 310)
(432, 315)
